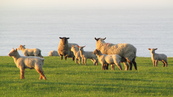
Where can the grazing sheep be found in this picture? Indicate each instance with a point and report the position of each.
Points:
(30, 52)
(87, 55)
(64, 48)
(76, 53)
(126, 51)
(108, 59)
(31, 62)
(158, 57)
(53, 53)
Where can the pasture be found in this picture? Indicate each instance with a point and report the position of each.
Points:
(67, 79)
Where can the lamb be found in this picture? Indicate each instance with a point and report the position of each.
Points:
(158, 57)
(126, 51)
(87, 55)
(64, 48)
(108, 59)
(53, 53)
(30, 52)
(76, 53)
(31, 62)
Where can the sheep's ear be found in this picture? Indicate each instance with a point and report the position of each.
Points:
(96, 39)
(155, 48)
(60, 37)
(104, 38)
(149, 48)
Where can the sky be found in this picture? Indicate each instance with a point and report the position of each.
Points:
(86, 4)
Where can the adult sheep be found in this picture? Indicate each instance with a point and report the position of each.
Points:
(64, 48)
(30, 52)
(31, 62)
(126, 51)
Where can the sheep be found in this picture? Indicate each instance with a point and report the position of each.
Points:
(158, 57)
(31, 62)
(108, 59)
(30, 52)
(53, 53)
(87, 55)
(76, 53)
(64, 48)
(126, 51)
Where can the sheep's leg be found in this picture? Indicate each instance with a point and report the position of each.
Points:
(130, 65)
(61, 56)
(85, 61)
(76, 60)
(165, 63)
(103, 67)
(134, 63)
(42, 76)
(126, 65)
(153, 63)
(119, 66)
(156, 63)
(112, 67)
(22, 73)
(106, 66)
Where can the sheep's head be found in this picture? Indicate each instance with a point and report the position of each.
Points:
(152, 50)
(81, 47)
(64, 40)
(100, 39)
(96, 51)
(12, 52)
(21, 47)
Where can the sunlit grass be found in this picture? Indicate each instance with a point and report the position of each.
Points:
(67, 79)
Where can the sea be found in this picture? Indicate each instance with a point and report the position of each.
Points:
(42, 28)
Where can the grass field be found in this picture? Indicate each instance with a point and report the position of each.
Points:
(67, 79)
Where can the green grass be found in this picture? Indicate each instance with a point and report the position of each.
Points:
(67, 79)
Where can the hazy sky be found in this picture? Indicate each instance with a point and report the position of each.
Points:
(85, 4)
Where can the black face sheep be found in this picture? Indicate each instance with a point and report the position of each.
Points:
(126, 51)
(64, 48)
(30, 52)
(108, 59)
(158, 57)
(31, 62)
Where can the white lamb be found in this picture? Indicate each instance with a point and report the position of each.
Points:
(158, 57)
(31, 62)
(126, 51)
(76, 53)
(30, 52)
(64, 48)
(53, 53)
(87, 55)
(108, 59)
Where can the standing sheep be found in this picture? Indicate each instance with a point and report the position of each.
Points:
(108, 59)
(158, 57)
(31, 62)
(126, 51)
(30, 52)
(87, 55)
(76, 53)
(64, 48)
